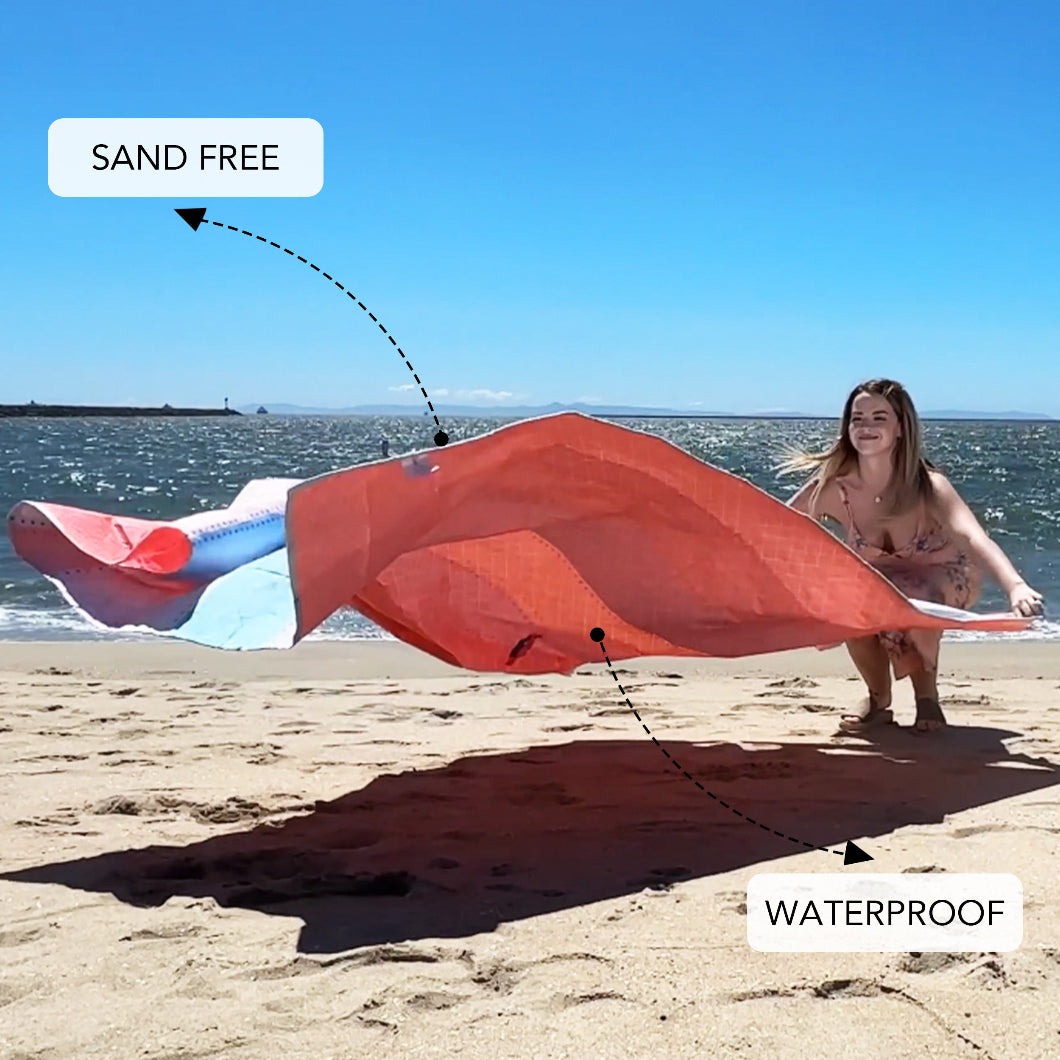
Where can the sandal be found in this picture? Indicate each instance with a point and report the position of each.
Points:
(868, 716)
(929, 716)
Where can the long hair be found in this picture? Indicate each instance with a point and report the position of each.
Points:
(910, 482)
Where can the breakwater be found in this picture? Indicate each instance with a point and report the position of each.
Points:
(71, 411)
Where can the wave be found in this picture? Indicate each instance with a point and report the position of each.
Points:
(26, 624)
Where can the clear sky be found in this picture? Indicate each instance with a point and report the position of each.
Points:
(714, 205)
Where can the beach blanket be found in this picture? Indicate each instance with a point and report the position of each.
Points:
(499, 553)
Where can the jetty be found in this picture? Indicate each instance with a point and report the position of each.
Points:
(74, 411)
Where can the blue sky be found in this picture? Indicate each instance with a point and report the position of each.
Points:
(698, 205)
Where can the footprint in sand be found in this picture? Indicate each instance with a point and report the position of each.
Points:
(750, 771)
(928, 963)
(443, 863)
(560, 1002)
(20, 936)
(497, 977)
(434, 1000)
(732, 902)
(292, 969)
(164, 933)
(661, 879)
(54, 758)
(979, 829)
(191, 983)
(295, 728)
(856, 987)
(266, 758)
(395, 884)
(10, 993)
(232, 810)
(61, 820)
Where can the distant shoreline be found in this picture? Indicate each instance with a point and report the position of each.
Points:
(74, 411)
(490, 414)
(516, 412)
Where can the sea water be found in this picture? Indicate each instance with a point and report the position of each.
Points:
(1008, 473)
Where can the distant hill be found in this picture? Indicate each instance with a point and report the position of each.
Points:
(518, 411)
(524, 411)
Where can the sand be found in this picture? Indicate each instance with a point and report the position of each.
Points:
(352, 850)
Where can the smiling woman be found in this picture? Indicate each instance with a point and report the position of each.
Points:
(905, 519)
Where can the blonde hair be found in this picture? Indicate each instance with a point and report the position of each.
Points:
(910, 480)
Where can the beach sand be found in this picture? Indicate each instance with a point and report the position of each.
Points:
(352, 850)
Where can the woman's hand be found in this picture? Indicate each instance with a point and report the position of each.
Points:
(1025, 601)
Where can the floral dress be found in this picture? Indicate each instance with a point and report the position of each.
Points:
(932, 566)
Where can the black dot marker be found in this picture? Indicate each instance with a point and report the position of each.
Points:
(597, 634)
(441, 438)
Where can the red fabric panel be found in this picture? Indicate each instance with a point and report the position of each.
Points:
(502, 552)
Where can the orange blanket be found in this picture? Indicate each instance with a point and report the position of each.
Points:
(501, 553)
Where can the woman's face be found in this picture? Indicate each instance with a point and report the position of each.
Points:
(874, 427)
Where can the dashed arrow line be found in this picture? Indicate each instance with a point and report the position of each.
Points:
(197, 216)
(851, 855)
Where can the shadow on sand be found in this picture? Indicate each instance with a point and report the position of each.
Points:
(454, 851)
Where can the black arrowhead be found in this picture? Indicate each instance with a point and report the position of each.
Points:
(855, 854)
(193, 217)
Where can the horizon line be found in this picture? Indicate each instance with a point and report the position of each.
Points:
(618, 409)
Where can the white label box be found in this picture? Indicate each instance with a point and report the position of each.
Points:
(205, 157)
(884, 912)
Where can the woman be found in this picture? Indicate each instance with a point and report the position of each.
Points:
(902, 516)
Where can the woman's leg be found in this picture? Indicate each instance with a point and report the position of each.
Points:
(917, 656)
(929, 716)
(870, 657)
(922, 666)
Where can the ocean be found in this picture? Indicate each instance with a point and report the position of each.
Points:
(1008, 473)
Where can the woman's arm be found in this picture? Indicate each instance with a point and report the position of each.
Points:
(826, 505)
(801, 499)
(962, 521)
